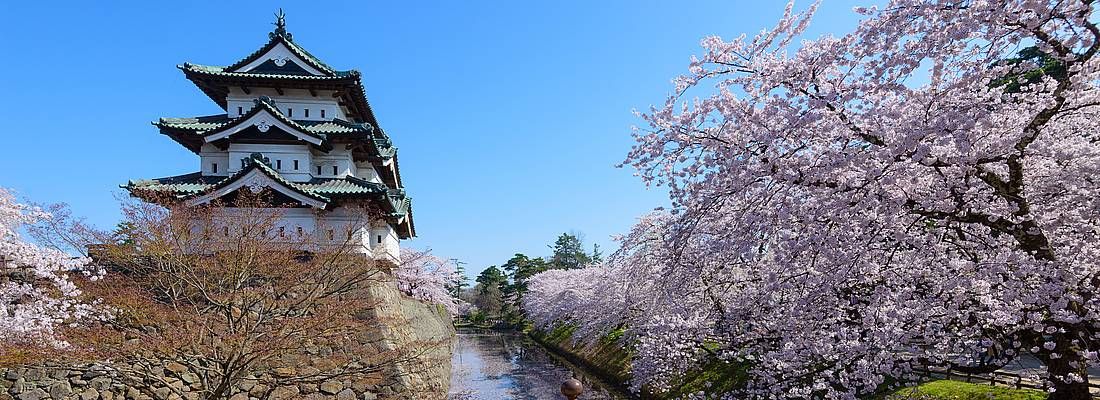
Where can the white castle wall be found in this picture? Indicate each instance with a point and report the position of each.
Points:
(211, 158)
(377, 237)
(293, 103)
(282, 157)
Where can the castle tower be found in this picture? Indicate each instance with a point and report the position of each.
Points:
(299, 128)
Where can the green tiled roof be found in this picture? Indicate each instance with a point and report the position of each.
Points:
(394, 202)
(263, 104)
(183, 184)
(204, 125)
(215, 80)
(286, 39)
(365, 138)
(324, 189)
(198, 124)
(336, 126)
(191, 131)
(212, 70)
(212, 122)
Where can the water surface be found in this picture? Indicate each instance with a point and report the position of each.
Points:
(495, 365)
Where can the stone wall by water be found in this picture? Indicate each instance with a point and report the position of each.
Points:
(407, 322)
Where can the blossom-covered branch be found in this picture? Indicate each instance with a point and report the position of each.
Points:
(37, 294)
(427, 277)
(918, 192)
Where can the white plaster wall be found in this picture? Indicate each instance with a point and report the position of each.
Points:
(316, 224)
(340, 158)
(286, 153)
(365, 170)
(229, 162)
(239, 102)
(390, 245)
(209, 155)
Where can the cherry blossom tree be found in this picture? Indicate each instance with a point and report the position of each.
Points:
(916, 193)
(224, 293)
(426, 277)
(37, 294)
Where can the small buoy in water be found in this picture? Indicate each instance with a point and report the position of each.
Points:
(572, 388)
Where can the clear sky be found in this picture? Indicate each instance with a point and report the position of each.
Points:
(509, 117)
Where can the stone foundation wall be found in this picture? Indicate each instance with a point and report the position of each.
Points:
(407, 322)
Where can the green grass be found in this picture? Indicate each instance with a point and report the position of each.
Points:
(955, 390)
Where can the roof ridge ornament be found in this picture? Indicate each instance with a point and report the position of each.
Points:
(280, 26)
(265, 99)
(255, 157)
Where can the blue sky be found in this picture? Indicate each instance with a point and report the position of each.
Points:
(510, 116)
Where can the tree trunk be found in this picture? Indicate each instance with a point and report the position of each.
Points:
(1070, 362)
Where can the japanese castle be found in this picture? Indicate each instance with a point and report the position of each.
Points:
(299, 128)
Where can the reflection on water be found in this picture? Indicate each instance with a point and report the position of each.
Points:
(495, 365)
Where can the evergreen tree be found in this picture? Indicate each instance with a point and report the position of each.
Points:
(460, 282)
(492, 277)
(490, 291)
(519, 269)
(597, 255)
(569, 253)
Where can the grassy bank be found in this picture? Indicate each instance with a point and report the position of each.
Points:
(955, 390)
(610, 361)
(607, 359)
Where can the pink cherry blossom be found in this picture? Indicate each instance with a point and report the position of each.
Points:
(36, 292)
(848, 208)
(425, 277)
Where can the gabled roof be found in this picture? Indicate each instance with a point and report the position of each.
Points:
(280, 39)
(207, 123)
(255, 71)
(215, 81)
(192, 132)
(349, 77)
(257, 175)
(197, 189)
(264, 116)
(194, 188)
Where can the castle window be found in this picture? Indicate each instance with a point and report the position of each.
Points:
(279, 164)
(295, 165)
(379, 239)
(318, 170)
(214, 168)
(282, 231)
(322, 113)
(290, 112)
(334, 169)
(300, 231)
(240, 110)
(307, 113)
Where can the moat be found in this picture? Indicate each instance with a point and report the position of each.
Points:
(503, 365)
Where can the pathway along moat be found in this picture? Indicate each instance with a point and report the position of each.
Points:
(505, 365)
